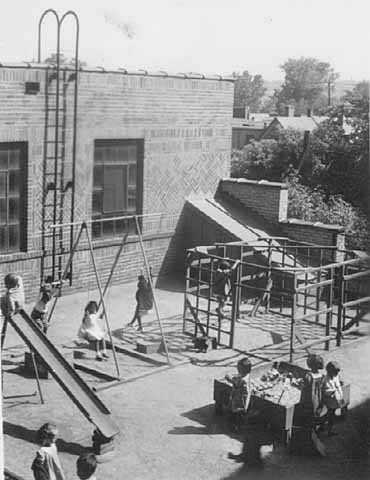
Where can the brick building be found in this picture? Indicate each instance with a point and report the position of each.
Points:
(144, 142)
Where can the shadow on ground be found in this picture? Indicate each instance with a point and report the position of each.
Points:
(29, 435)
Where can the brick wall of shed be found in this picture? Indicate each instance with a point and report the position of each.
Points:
(186, 128)
(268, 199)
(316, 233)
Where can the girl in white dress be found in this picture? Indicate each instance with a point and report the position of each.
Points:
(92, 330)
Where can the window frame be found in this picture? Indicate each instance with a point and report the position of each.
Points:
(139, 143)
(23, 181)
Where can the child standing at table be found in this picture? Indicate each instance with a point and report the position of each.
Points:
(332, 394)
(241, 391)
(92, 330)
(46, 465)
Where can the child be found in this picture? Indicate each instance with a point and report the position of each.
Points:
(241, 391)
(46, 465)
(92, 330)
(312, 390)
(12, 301)
(40, 310)
(222, 287)
(144, 301)
(332, 394)
(86, 466)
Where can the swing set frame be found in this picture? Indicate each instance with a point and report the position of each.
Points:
(83, 227)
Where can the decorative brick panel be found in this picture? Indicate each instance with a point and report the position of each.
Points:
(186, 128)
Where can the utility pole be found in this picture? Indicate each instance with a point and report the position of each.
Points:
(329, 90)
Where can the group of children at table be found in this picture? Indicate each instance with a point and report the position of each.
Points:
(325, 401)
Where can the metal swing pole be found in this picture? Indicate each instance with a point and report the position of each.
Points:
(84, 226)
(65, 273)
(151, 286)
(118, 254)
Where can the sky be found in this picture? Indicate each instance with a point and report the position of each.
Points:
(202, 36)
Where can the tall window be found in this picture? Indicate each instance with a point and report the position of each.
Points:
(12, 196)
(117, 188)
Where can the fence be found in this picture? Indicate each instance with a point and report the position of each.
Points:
(302, 282)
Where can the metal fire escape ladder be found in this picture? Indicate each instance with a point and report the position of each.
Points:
(58, 179)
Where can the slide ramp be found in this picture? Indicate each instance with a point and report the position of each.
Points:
(73, 385)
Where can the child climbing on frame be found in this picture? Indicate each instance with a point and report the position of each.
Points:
(39, 313)
(92, 330)
(46, 465)
(222, 285)
(144, 301)
(241, 391)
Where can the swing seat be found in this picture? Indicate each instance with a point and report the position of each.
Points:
(204, 343)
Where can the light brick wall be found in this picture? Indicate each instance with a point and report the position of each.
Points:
(317, 233)
(186, 127)
(268, 199)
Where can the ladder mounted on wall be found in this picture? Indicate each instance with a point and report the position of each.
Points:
(59, 156)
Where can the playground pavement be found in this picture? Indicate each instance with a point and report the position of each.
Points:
(168, 429)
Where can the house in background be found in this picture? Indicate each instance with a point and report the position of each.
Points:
(304, 123)
(247, 127)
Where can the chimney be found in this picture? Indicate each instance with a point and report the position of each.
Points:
(289, 111)
(309, 112)
(246, 113)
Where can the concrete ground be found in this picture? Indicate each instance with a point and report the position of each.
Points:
(168, 429)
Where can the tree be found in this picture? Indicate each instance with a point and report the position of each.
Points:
(305, 84)
(248, 91)
(270, 159)
(340, 149)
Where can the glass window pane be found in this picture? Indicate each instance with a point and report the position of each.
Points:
(3, 159)
(123, 154)
(14, 182)
(98, 155)
(2, 184)
(115, 189)
(3, 236)
(119, 226)
(3, 211)
(14, 156)
(97, 204)
(132, 175)
(96, 229)
(132, 153)
(98, 176)
(13, 237)
(13, 210)
(108, 229)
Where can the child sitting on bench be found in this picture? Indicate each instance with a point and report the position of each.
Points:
(241, 391)
(92, 330)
